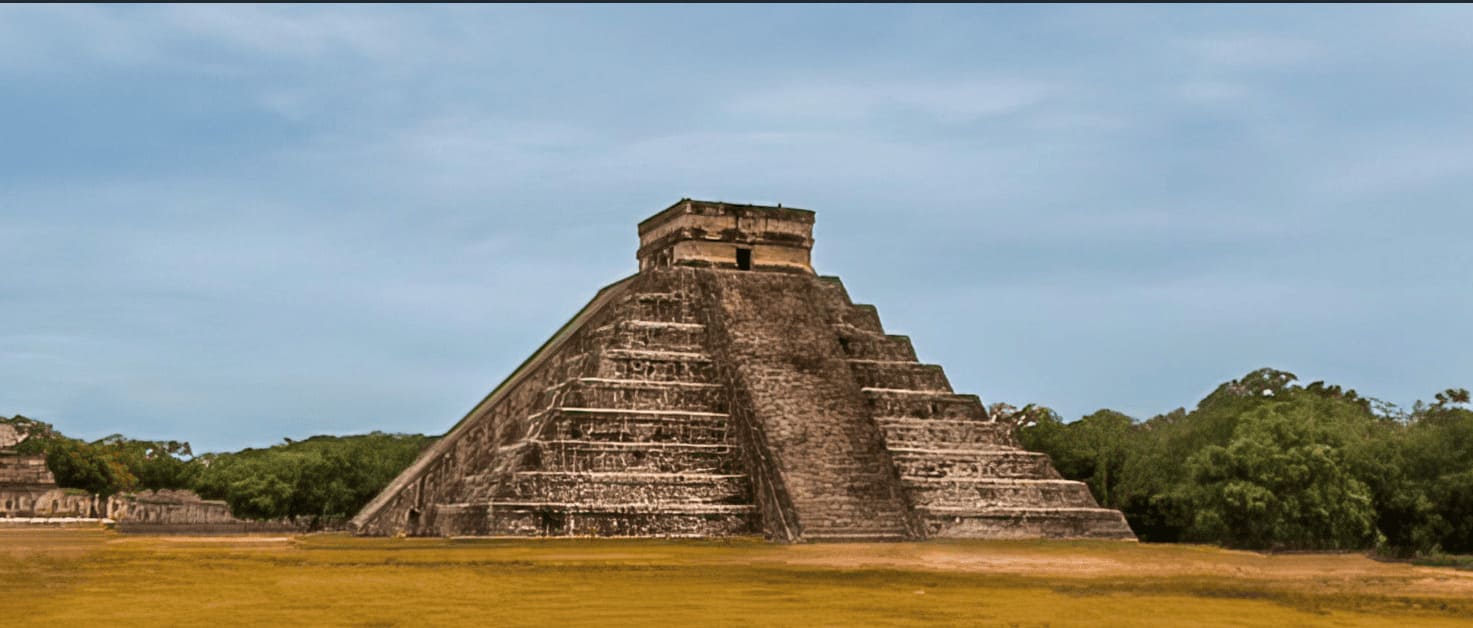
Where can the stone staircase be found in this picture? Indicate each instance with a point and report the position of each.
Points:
(791, 374)
(636, 443)
(964, 476)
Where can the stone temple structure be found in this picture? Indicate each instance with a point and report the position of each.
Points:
(29, 495)
(726, 389)
(27, 488)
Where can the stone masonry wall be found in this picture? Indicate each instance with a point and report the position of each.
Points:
(19, 470)
(184, 512)
(47, 501)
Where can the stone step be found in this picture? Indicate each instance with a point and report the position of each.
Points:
(576, 455)
(659, 297)
(615, 382)
(834, 513)
(624, 508)
(924, 404)
(823, 508)
(534, 518)
(657, 355)
(883, 535)
(866, 346)
(905, 432)
(863, 317)
(624, 412)
(652, 365)
(665, 307)
(998, 493)
(636, 426)
(633, 488)
(1026, 523)
(652, 335)
(973, 464)
(630, 394)
(887, 374)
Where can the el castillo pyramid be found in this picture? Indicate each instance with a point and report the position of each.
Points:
(726, 389)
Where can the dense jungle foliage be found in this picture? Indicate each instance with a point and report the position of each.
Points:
(1265, 463)
(1262, 463)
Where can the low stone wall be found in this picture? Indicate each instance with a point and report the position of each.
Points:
(47, 501)
(149, 512)
(170, 508)
(184, 512)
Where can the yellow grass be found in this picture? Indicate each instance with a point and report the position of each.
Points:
(92, 577)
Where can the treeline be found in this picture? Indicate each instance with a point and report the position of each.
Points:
(321, 479)
(1266, 463)
(327, 478)
(1261, 463)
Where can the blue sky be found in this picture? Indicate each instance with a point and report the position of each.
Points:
(235, 224)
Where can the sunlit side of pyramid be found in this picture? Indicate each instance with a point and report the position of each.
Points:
(725, 389)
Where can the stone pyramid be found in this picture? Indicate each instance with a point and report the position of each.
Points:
(725, 389)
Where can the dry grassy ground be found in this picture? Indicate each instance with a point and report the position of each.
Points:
(91, 577)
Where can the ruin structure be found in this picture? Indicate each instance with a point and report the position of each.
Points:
(726, 389)
(29, 496)
(184, 512)
(28, 490)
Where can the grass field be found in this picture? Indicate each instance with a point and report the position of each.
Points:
(91, 577)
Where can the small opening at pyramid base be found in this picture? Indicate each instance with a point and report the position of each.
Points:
(744, 259)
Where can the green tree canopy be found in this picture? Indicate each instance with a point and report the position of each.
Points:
(1263, 462)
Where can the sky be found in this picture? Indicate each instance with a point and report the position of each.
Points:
(230, 225)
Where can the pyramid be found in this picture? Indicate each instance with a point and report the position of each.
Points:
(726, 389)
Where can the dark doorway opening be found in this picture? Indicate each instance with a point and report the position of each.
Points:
(744, 259)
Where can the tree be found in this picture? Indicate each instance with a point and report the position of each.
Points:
(92, 467)
(156, 464)
(1261, 462)
(1281, 483)
(1093, 449)
(325, 478)
(1421, 474)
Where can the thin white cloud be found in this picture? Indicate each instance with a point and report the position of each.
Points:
(209, 38)
(1382, 166)
(36, 39)
(296, 31)
(947, 102)
(409, 198)
(1253, 50)
(1213, 93)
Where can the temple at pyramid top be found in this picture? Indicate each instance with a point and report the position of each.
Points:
(727, 235)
